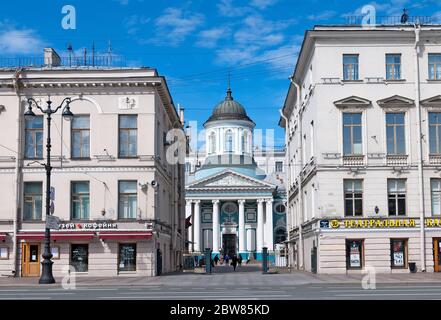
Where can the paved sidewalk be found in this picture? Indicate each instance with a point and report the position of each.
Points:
(225, 276)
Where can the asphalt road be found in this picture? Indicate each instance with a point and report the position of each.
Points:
(304, 292)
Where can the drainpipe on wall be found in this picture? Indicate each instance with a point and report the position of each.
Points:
(288, 180)
(301, 255)
(420, 149)
(17, 173)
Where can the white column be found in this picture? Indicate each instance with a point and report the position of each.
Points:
(269, 231)
(216, 227)
(197, 226)
(188, 207)
(259, 235)
(242, 242)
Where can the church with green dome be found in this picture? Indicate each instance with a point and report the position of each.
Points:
(233, 206)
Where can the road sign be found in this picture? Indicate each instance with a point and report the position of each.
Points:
(52, 193)
(53, 222)
(52, 207)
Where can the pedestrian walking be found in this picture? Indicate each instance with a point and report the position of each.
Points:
(239, 259)
(234, 262)
(216, 259)
(227, 259)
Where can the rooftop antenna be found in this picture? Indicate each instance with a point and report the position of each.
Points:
(109, 51)
(404, 16)
(229, 96)
(70, 49)
(85, 56)
(93, 53)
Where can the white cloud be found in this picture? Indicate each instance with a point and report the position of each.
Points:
(209, 38)
(262, 4)
(134, 22)
(228, 9)
(325, 15)
(24, 41)
(258, 31)
(175, 25)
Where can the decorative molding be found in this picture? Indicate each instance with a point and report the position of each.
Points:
(352, 102)
(128, 103)
(434, 102)
(226, 179)
(396, 101)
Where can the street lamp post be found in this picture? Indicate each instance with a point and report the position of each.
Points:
(46, 274)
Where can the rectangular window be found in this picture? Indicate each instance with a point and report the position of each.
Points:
(350, 67)
(33, 193)
(393, 66)
(398, 253)
(354, 254)
(352, 141)
(434, 66)
(395, 134)
(187, 167)
(4, 253)
(127, 199)
(127, 257)
(34, 138)
(80, 137)
(435, 187)
(79, 257)
(279, 166)
(353, 197)
(80, 200)
(128, 131)
(435, 132)
(396, 197)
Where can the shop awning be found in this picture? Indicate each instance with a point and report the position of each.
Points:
(123, 235)
(57, 236)
(2, 237)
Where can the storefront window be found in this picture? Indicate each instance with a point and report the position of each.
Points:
(398, 253)
(354, 254)
(127, 257)
(79, 257)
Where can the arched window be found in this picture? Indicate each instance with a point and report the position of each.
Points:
(280, 235)
(229, 141)
(212, 143)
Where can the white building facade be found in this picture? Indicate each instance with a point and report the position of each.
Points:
(119, 201)
(363, 148)
(233, 206)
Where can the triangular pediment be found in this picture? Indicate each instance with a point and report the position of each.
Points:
(432, 102)
(229, 179)
(352, 102)
(395, 101)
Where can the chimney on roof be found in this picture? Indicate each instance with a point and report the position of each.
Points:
(51, 58)
(181, 114)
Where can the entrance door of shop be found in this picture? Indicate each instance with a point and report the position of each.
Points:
(229, 244)
(437, 254)
(30, 260)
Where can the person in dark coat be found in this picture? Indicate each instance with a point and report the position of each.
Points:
(239, 259)
(227, 259)
(234, 262)
(216, 259)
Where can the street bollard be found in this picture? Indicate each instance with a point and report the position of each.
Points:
(208, 260)
(264, 260)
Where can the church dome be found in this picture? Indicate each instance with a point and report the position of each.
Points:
(229, 110)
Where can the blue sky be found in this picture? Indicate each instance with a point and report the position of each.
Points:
(194, 43)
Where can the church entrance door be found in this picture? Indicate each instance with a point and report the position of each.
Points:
(229, 244)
